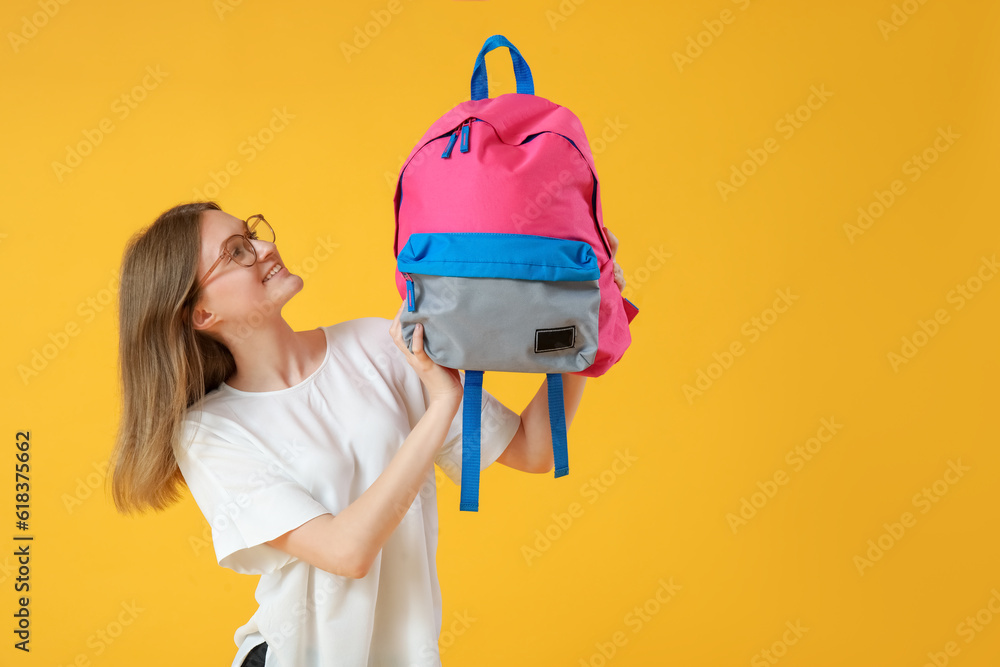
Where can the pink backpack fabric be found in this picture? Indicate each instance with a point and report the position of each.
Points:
(523, 166)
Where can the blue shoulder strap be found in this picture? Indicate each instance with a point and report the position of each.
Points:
(557, 422)
(472, 401)
(522, 73)
(472, 407)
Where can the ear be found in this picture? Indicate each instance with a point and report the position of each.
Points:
(203, 319)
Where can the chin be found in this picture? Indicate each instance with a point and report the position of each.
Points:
(293, 285)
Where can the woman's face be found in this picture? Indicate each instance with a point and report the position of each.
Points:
(234, 296)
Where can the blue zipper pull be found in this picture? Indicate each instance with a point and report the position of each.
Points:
(410, 300)
(451, 144)
(465, 136)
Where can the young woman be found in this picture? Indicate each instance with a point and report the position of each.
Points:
(310, 453)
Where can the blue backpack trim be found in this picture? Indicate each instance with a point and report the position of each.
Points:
(522, 73)
(447, 154)
(498, 255)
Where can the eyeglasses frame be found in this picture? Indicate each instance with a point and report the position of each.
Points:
(248, 230)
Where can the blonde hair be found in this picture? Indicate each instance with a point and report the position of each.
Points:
(164, 364)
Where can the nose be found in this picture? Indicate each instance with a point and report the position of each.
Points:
(264, 249)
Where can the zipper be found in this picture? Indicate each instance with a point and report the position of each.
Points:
(465, 135)
(463, 129)
(451, 144)
(410, 301)
(593, 203)
(463, 132)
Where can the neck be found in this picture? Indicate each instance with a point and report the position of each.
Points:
(272, 356)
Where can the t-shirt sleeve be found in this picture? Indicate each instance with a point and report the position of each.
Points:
(498, 424)
(245, 493)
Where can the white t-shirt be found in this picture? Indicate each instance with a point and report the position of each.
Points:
(262, 463)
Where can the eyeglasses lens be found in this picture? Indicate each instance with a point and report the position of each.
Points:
(259, 229)
(240, 249)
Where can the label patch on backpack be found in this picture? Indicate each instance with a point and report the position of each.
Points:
(547, 340)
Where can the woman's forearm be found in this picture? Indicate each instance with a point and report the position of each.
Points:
(373, 516)
(572, 394)
(535, 419)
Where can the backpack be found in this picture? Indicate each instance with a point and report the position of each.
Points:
(501, 252)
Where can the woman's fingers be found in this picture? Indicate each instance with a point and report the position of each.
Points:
(619, 277)
(395, 320)
(613, 240)
(396, 329)
(416, 347)
(418, 340)
(618, 272)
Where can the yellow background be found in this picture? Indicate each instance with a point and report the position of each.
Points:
(699, 266)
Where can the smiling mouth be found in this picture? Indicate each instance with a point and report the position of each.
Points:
(277, 267)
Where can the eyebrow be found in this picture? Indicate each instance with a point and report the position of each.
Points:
(243, 223)
(222, 246)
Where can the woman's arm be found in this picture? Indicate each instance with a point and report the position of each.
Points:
(346, 544)
(531, 448)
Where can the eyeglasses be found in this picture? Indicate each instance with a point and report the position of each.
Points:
(238, 247)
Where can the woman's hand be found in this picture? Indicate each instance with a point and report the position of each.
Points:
(443, 384)
(619, 274)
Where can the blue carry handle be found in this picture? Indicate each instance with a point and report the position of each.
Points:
(522, 73)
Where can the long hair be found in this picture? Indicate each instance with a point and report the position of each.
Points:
(164, 364)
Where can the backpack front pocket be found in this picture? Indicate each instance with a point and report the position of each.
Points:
(502, 302)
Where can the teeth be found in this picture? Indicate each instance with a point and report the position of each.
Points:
(277, 267)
